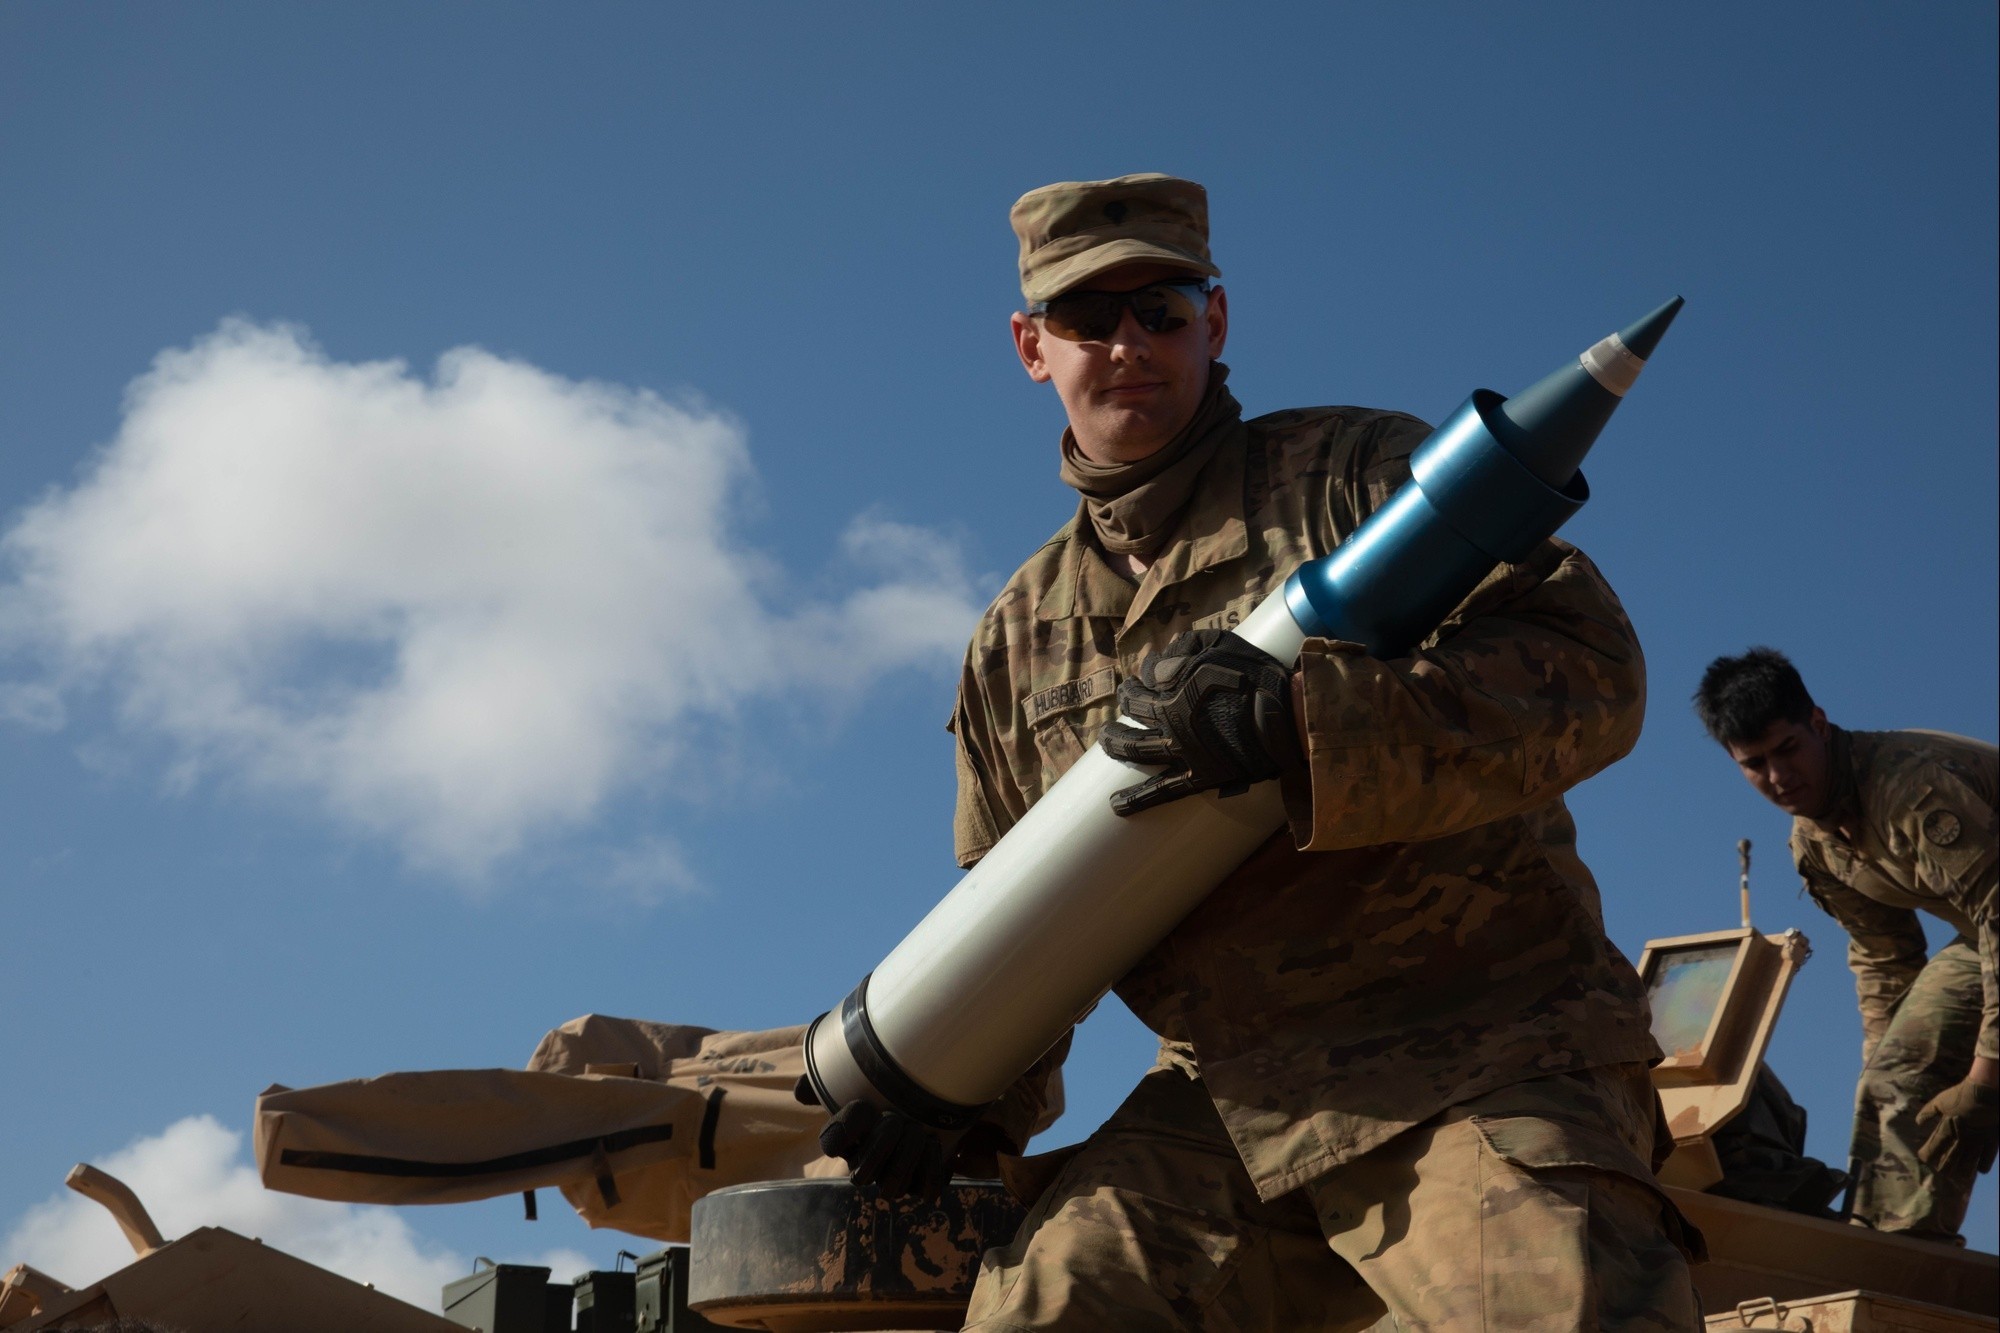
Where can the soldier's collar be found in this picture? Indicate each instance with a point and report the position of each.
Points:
(1085, 584)
(1212, 529)
(1846, 794)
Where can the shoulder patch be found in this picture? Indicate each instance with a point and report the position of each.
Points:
(1942, 827)
(1070, 694)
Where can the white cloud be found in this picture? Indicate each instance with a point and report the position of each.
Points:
(193, 1175)
(456, 612)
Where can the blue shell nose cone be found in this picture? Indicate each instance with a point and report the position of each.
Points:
(1556, 420)
(1496, 478)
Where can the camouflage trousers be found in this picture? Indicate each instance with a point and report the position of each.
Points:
(1928, 1047)
(1528, 1208)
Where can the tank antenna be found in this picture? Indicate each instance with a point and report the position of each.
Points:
(1743, 884)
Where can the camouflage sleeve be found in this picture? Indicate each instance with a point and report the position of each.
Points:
(1377, 468)
(1956, 833)
(1033, 1103)
(1885, 945)
(1533, 684)
(988, 802)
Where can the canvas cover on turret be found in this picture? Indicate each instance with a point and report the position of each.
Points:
(633, 1121)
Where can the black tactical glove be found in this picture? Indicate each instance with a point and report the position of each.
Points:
(1215, 709)
(1968, 1116)
(885, 1150)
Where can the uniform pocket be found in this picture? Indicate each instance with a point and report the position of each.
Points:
(1065, 719)
(1060, 743)
(1536, 1145)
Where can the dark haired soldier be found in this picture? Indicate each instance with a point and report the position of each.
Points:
(1886, 824)
(1401, 1064)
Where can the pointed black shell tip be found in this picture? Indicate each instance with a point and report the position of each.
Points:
(1643, 335)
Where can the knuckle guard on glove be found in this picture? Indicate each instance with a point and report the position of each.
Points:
(1214, 709)
(887, 1151)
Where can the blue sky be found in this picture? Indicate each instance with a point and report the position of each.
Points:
(717, 788)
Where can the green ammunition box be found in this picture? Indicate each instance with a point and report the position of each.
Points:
(562, 1304)
(663, 1295)
(509, 1298)
(606, 1302)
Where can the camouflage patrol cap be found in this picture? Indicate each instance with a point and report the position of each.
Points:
(1074, 230)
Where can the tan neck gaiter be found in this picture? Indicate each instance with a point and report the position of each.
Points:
(1133, 506)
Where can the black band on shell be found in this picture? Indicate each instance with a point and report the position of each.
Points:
(904, 1093)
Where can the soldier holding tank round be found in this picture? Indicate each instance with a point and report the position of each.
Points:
(1401, 1067)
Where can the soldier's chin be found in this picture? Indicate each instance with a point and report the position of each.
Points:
(1800, 804)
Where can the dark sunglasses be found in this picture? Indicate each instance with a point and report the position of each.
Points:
(1086, 317)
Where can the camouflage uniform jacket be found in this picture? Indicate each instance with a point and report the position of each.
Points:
(1425, 931)
(1925, 801)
